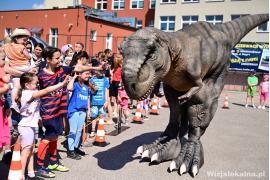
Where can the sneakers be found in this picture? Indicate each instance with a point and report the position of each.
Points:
(115, 115)
(145, 117)
(246, 106)
(44, 172)
(87, 144)
(261, 107)
(92, 134)
(58, 167)
(254, 106)
(80, 152)
(73, 155)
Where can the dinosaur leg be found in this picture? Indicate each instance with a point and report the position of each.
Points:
(168, 145)
(200, 111)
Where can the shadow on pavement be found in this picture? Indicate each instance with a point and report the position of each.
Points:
(243, 105)
(116, 157)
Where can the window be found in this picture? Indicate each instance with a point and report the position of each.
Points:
(152, 4)
(139, 24)
(137, 4)
(213, 0)
(109, 41)
(168, 1)
(93, 35)
(7, 32)
(118, 4)
(190, 1)
(53, 37)
(101, 4)
(167, 23)
(187, 20)
(151, 23)
(263, 28)
(214, 19)
(235, 16)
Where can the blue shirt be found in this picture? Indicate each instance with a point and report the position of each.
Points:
(79, 99)
(99, 98)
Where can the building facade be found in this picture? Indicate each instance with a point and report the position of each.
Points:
(50, 4)
(142, 10)
(172, 15)
(66, 26)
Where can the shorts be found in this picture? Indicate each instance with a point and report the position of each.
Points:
(27, 135)
(124, 103)
(145, 104)
(251, 91)
(96, 111)
(264, 96)
(114, 88)
(53, 128)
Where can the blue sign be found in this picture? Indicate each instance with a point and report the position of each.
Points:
(250, 56)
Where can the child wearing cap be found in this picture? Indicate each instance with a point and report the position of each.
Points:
(18, 57)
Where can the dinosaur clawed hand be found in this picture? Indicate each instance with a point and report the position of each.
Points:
(162, 149)
(190, 158)
(183, 99)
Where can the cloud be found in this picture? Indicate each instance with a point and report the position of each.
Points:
(38, 6)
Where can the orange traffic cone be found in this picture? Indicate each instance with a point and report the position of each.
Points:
(138, 114)
(15, 170)
(100, 136)
(165, 103)
(226, 102)
(154, 109)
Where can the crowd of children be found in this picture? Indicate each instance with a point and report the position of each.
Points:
(48, 91)
(45, 91)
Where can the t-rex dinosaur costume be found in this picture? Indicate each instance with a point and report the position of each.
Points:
(193, 64)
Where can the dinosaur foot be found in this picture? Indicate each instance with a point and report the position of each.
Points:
(164, 148)
(190, 158)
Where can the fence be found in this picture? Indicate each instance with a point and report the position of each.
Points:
(92, 45)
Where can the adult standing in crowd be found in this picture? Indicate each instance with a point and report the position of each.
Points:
(37, 59)
(78, 47)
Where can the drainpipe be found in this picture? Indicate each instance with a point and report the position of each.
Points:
(86, 30)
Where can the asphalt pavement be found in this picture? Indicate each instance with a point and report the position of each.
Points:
(235, 147)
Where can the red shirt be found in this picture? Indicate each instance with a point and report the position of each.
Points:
(117, 74)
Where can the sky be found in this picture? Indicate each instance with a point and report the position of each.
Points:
(20, 4)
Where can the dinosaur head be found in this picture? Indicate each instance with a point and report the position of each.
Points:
(145, 61)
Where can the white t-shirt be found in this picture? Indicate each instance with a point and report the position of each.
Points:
(29, 110)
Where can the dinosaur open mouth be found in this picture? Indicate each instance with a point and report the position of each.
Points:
(147, 93)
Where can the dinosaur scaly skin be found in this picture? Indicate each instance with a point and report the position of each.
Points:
(193, 63)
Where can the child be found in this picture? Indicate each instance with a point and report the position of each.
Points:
(116, 79)
(53, 108)
(100, 99)
(78, 106)
(123, 101)
(18, 58)
(145, 108)
(252, 82)
(28, 100)
(264, 91)
(4, 122)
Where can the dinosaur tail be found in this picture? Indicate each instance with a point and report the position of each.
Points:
(239, 27)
